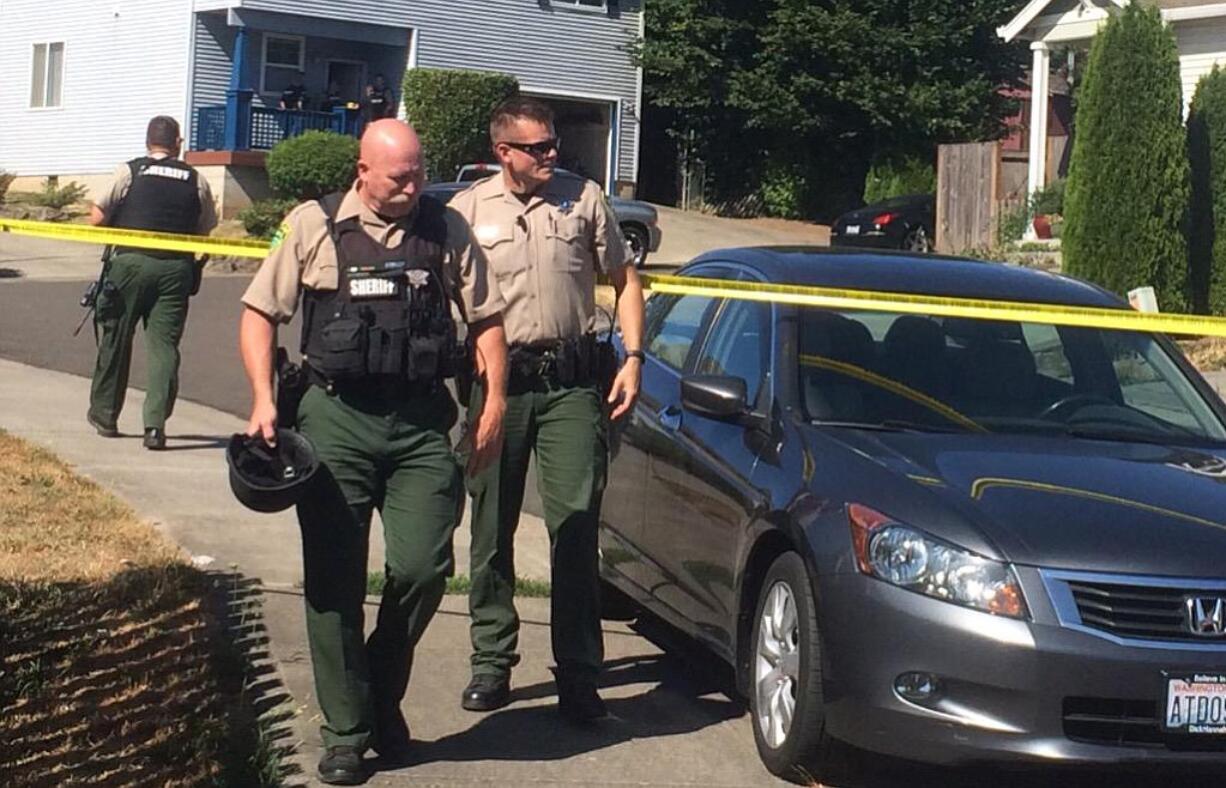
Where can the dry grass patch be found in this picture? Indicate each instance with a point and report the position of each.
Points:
(117, 664)
(1207, 353)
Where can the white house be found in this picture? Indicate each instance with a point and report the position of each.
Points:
(1200, 32)
(84, 77)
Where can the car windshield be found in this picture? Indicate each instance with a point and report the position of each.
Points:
(889, 371)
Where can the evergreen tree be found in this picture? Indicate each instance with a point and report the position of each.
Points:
(1127, 197)
(1207, 152)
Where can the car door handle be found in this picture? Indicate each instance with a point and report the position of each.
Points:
(670, 418)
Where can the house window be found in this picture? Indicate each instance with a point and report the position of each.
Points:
(47, 75)
(593, 5)
(284, 57)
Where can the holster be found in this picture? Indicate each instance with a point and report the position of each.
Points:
(465, 373)
(605, 356)
(292, 383)
(198, 273)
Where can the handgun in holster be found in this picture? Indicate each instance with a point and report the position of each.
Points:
(465, 373)
(292, 383)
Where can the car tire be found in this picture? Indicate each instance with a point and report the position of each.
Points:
(785, 670)
(917, 240)
(638, 241)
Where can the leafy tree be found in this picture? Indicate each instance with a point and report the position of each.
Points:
(823, 87)
(451, 112)
(1207, 155)
(1127, 196)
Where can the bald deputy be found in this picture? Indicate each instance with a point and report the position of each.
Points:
(377, 270)
(548, 236)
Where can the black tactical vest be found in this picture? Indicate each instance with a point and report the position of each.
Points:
(164, 196)
(390, 317)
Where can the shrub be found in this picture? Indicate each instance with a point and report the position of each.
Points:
(1127, 195)
(1207, 219)
(58, 197)
(782, 191)
(451, 112)
(1049, 200)
(1011, 223)
(311, 165)
(897, 178)
(263, 217)
(6, 180)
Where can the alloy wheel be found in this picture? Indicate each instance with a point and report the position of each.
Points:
(777, 665)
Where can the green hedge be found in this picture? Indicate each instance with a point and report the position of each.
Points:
(1127, 197)
(451, 112)
(312, 165)
(898, 178)
(261, 219)
(1207, 231)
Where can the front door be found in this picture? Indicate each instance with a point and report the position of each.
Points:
(349, 76)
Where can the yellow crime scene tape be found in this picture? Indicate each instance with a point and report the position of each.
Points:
(821, 297)
(137, 239)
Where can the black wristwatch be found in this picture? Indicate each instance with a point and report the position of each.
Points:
(635, 354)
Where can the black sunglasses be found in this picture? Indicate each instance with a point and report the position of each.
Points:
(535, 149)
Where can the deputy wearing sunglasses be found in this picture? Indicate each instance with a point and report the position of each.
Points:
(547, 236)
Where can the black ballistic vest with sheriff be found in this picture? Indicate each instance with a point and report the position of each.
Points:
(390, 317)
(164, 197)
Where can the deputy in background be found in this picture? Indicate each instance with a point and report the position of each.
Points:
(376, 270)
(294, 95)
(378, 101)
(548, 236)
(154, 192)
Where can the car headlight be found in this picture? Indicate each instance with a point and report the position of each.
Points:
(909, 558)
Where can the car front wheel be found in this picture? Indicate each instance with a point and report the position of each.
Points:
(786, 694)
(636, 239)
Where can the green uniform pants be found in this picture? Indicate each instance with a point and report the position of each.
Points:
(391, 452)
(565, 427)
(149, 290)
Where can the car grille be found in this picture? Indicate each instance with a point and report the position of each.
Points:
(1128, 723)
(1135, 611)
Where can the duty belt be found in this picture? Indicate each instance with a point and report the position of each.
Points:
(568, 362)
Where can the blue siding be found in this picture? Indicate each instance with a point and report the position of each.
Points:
(550, 50)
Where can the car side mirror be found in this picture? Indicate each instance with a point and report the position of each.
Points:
(721, 397)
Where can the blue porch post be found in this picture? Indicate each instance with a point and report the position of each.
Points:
(238, 99)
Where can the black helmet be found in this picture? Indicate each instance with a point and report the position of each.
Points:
(270, 478)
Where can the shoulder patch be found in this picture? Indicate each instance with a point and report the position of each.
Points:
(279, 236)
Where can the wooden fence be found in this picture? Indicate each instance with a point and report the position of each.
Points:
(968, 186)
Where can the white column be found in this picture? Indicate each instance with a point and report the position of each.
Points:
(1038, 120)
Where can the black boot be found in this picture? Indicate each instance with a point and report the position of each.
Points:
(342, 765)
(155, 438)
(486, 692)
(578, 700)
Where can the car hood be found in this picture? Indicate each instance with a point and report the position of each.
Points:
(1069, 504)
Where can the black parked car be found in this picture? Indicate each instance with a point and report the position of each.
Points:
(897, 223)
(942, 539)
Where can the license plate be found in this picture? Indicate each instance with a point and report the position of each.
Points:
(1196, 704)
(852, 229)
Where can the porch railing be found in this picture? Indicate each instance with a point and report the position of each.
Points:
(241, 126)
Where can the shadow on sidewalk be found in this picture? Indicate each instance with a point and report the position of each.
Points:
(678, 702)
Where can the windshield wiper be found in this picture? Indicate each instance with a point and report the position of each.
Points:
(889, 425)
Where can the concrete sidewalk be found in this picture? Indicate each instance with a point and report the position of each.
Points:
(674, 725)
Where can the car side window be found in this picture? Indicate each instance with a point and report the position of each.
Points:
(738, 345)
(673, 325)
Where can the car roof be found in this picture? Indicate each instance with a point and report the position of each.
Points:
(901, 272)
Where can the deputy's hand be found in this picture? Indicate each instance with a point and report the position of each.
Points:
(626, 387)
(264, 421)
(487, 439)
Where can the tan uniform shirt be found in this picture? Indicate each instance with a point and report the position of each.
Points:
(303, 255)
(121, 182)
(546, 253)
